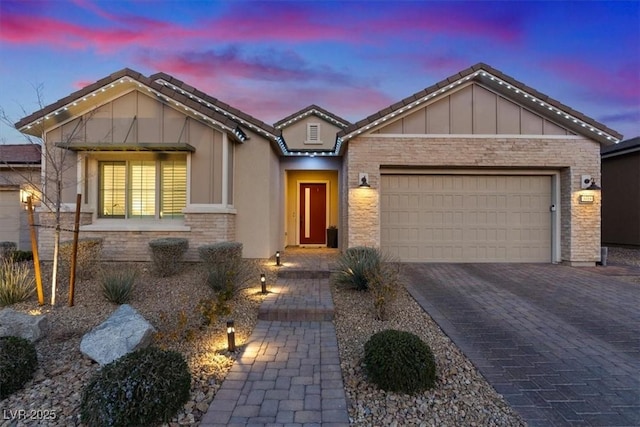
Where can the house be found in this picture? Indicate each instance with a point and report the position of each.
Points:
(621, 193)
(19, 176)
(478, 167)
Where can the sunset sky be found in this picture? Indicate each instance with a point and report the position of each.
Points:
(272, 58)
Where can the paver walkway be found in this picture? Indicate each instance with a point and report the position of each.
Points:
(561, 344)
(289, 371)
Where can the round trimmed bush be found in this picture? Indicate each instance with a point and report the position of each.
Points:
(146, 387)
(399, 361)
(18, 362)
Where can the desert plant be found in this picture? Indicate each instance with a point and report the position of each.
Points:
(355, 265)
(146, 387)
(21, 256)
(118, 284)
(167, 254)
(383, 286)
(16, 282)
(399, 361)
(87, 259)
(18, 362)
(228, 272)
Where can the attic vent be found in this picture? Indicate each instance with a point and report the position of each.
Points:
(313, 134)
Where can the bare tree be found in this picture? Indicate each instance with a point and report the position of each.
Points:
(56, 162)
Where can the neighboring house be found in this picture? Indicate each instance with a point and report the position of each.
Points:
(621, 193)
(478, 167)
(19, 178)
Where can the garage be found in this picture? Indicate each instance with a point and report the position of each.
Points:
(441, 217)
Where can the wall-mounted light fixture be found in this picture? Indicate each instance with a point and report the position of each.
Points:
(363, 178)
(588, 183)
(278, 258)
(231, 335)
(263, 283)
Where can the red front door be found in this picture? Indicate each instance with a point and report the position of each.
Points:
(313, 214)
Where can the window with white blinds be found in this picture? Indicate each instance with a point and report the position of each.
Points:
(142, 188)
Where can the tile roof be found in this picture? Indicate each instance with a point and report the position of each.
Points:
(20, 154)
(168, 87)
(624, 147)
(501, 83)
(315, 110)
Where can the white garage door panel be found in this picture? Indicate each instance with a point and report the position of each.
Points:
(466, 218)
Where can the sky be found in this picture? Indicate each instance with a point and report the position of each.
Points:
(352, 58)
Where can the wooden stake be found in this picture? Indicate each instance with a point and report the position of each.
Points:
(34, 250)
(74, 251)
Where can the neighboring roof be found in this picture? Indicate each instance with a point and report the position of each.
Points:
(20, 154)
(501, 83)
(315, 110)
(166, 88)
(629, 146)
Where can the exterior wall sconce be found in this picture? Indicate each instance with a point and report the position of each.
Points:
(364, 180)
(231, 335)
(263, 283)
(277, 258)
(588, 183)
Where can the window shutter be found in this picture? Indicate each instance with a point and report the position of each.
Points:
(174, 188)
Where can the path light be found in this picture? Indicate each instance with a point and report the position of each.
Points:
(263, 283)
(277, 257)
(231, 335)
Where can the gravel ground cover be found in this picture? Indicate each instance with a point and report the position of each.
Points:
(461, 397)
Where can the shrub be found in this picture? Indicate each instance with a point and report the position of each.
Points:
(21, 256)
(399, 361)
(383, 285)
(167, 254)
(7, 249)
(146, 387)
(228, 272)
(16, 282)
(118, 284)
(355, 265)
(18, 362)
(87, 258)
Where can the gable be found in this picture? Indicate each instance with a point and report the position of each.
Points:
(311, 133)
(473, 110)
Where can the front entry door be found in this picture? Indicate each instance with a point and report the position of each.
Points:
(313, 214)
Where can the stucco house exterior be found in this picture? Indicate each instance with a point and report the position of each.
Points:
(478, 167)
(19, 178)
(621, 193)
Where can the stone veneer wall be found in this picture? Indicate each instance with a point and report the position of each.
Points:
(206, 228)
(571, 156)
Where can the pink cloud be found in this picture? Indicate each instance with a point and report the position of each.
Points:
(616, 83)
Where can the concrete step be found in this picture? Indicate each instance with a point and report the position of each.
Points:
(299, 299)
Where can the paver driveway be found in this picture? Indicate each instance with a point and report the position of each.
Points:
(561, 344)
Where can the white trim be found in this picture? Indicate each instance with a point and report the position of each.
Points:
(209, 208)
(297, 207)
(225, 169)
(189, 178)
(470, 136)
(103, 224)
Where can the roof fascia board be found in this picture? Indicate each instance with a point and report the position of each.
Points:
(306, 113)
(443, 88)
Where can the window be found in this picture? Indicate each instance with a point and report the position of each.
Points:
(313, 133)
(142, 188)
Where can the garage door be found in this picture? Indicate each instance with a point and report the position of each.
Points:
(9, 215)
(466, 218)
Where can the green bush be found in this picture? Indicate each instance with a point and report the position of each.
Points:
(354, 266)
(228, 272)
(146, 387)
(21, 256)
(399, 361)
(7, 249)
(118, 284)
(16, 282)
(167, 254)
(18, 362)
(384, 283)
(87, 258)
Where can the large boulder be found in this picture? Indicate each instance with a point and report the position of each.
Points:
(28, 326)
(123, 332)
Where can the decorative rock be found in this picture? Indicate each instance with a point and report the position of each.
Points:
(27, 326)
(123, 332)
